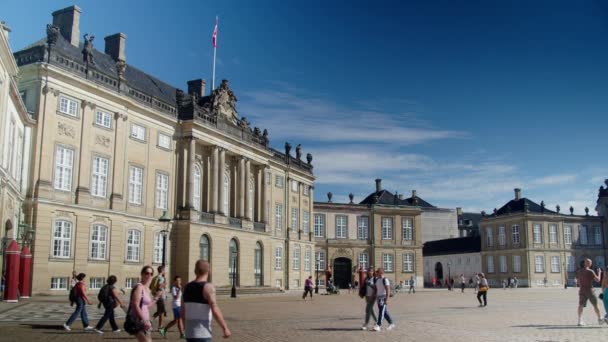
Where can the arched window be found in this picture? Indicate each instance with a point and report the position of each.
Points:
(251, 196)
(204, 248)
(196, 201)
(226, 190)
(257, 264)
(233, 261)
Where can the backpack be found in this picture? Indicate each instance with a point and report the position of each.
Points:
(362, 290)
(154, 285)
(104, 296)
(73, 296)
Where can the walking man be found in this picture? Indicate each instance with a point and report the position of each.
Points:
(370, 299)
(383, 292)
(199, 306)
(157, 287)
(462, 283)
(412, 284)
(586, 276)
(307, 288)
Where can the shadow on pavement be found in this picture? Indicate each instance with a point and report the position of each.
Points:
(555, 327)
(335, 329)
(45, 326)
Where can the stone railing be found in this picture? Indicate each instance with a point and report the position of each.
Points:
(259, 227)
(207, 217)
(235, 222)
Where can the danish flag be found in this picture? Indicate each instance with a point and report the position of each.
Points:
(214, 38)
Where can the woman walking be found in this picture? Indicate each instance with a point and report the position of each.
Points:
(605, 294)
(81, 301)
(482, 290)
(140, 303)
(110, 300)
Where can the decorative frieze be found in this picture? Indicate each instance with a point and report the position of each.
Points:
(66, 130)
(102, 140)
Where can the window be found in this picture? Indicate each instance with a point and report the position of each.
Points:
(341, 227)
(537, 233)
(278, 258)
(320, 261)
(599, 261)
(136, 178)
(363, 227)
(96, 283)
(278, 217)
(295, 219)
(196, 202)
(251, 197)
(501, 236)
(490, 261)
(99, 241)
(278, 181)
(387, 228)
(59, 283)
(68, 106)
(407, 229)
(515, 234)
(305, 189)
(597, 233)
(307, 255)
(164, 141)
(130, 282)
(296, 283)
(226, 190)
(363, 261)
(268, 177)
(319, 225)
(571, 263)
(294, 186)
(555, 264)
(10, 146)
(552, 233)
(296, 257)
(387, 262)
(408, 262)
(517, 263)
(582, 235)
(133, 245)
(157, 253)
(306, 222)
(489, 237)
(138, 132)
(203, 245)
(539, 264)
(62, 239)
(162, 189)
(103, 119)
(568, 235)
(64, 158)
(100, 177)
(502, 261)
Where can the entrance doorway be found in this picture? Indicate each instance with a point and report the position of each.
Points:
(342, 272)
(439, 272)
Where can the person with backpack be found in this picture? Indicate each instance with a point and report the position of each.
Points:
(157, 287)
(368, 291)
(383, 292)
(78, 295)
(108, 297)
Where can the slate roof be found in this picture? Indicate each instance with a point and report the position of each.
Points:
(387, 198)
(518, 205)
(469, 244)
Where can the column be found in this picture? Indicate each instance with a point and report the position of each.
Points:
(248, 198)
(241, 186)
(258, 195)
(214, 185)
(265, 196)
(119, 170)
(190, 183)
(220, 181)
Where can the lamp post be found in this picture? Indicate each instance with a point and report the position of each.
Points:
(565, 276)
(449, 276)
(233, 290)
(317, 273)
(167, 221)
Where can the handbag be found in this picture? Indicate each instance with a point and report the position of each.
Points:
(483, 289)
(601, 296)
(132, 324)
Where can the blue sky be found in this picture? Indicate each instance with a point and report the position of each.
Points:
(462, 102)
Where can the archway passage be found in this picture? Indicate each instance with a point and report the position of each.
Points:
(438, 271)
(342, 272)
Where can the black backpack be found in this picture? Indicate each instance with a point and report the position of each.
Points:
(73, 297)
(104, 296)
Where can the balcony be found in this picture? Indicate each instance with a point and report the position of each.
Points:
(259, 227)
(235, 222)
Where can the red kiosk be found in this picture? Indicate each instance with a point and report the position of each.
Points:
(361, 276)
(25, 280)
(11, 276)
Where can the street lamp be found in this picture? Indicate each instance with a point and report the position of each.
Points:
(167, 221)
(449, 276)
(318, 262)
(233, 290)
(565, 276)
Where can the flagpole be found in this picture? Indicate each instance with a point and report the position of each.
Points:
(214, 53)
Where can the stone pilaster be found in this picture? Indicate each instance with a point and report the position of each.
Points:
(220, 182)
(241, 194)
(190, 168)
(248, 202)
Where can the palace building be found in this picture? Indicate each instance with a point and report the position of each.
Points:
(128, 170)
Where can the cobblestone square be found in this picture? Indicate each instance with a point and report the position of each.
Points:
(429, 315)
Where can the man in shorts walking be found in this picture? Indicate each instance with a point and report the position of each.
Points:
(586, 276)
(383, 292)
(157, 288)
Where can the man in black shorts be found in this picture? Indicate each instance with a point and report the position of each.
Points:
(586, 276)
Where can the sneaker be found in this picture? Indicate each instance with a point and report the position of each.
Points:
(66, 327)
(183, 337)
(481, 305)
(376, 327)
(364, 327)
(98, 331)
(581, 323)
(601, 321)
(116, 331)
(88, 327)
(162, 332)
(391, 327)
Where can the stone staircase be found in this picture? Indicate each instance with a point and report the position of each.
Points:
(248, 291)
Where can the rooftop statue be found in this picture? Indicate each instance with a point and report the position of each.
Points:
(224, 102)
(87, 50)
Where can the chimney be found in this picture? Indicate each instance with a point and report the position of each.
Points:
(413, 193)
(197, 87)
(401, 197)
(5, 30)
(115, 46)
(68, 21)
(458, 211)
(378, 184)
(517, 193)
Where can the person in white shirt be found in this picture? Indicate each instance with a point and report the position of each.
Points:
(383, 292)
(176, 292)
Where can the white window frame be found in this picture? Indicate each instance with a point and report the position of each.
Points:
(133, 245)
(490, 263)
(363, 261)
(59, 283)
(537, 233)
(320, 261)
(68, 106)
(539, 264)
(103, 119)
(136, 184)
(99, 176)
(130, 282)
(99, 242)
(278, 258)
(138, 132)
(363, 227)
(305, 189)
(387, 262)
(568, 234)
(162, 190)
(278, 217)
(164, 141)
(96, 283)
(62, 239)
(279, 181)
(307, 255)
(157, 250)
(553, 233)
(341, 227)
(319, 225)
(64, 164)
(583, 235)
(502, 236)
(296, 258)
(597, 234)
(571, 263)
(502, 263)
(294, 185)
(515, 237)
(489, 237)
(408, 262)
(407, 229)
(196, 192)
(295, 219)
(306, 222)
(555, 264)
(517, 264)
(387, 228)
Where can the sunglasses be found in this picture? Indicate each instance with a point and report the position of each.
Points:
(148, 273)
